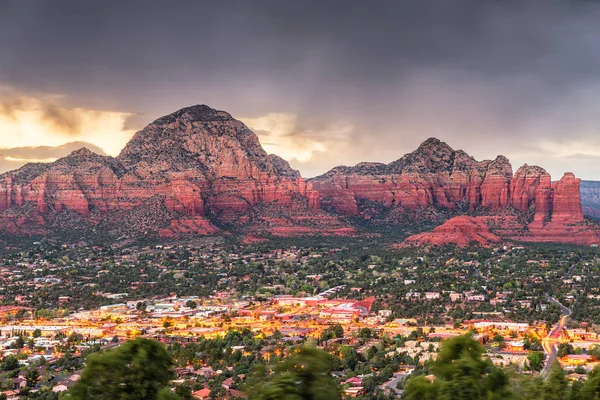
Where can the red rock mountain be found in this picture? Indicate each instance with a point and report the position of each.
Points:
(197, 170)
(200, 171)
(526, 206)
(433, 175)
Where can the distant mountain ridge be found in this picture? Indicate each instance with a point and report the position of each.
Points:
(199, 171)
(590, 198)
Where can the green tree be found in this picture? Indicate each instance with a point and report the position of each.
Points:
(556, 386)
(338, 331)
(365, 333)
(326, 336)
(594, 351)
(305, 375)
(564, 349)
(277, 334)
(167, 394)
(184, 392)
(500, 340)
(75, 338)
(576, 387)
(349, 357)
(529, 388)
(18, 343)
(419, 388)
(10, 363)
(191, 304)
(32, 377)
(136, 370)
(461, 373)
(535, 360)
(591, 387)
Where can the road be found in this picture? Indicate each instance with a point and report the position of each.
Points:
(570, 271)
(392, 383)
(478, 273)
(550, 343)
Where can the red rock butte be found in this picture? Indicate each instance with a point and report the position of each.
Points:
(461, 231)
(199, 171)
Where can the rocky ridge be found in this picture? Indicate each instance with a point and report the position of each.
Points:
(524, 206)
(207, 170)
(199, 171)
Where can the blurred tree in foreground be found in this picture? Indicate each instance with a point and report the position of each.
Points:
(305, 375)
(460, 373)
(137, 370)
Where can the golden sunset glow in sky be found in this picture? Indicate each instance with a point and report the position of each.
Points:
(282, 134)
(36, 122)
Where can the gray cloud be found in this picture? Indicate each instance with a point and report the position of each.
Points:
(62, 119)
(16, 157)
(55, 115)
(9, 107)
(517, 77)
(136, 122)
(584, 157)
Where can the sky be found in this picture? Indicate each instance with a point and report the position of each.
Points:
(323, 83)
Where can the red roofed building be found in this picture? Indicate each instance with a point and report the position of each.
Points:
(365, 305)
(354, 381)
(201, 394)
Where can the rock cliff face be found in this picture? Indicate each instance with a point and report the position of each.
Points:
(559, 215)
(435, 176)
(207, 169)
(211, 160)
(590, 198)
(200, 171)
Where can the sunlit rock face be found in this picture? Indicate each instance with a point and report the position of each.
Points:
(435, 176)
(198, 161)
(199, 171)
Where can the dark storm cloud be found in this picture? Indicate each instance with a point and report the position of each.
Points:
(520, 78)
